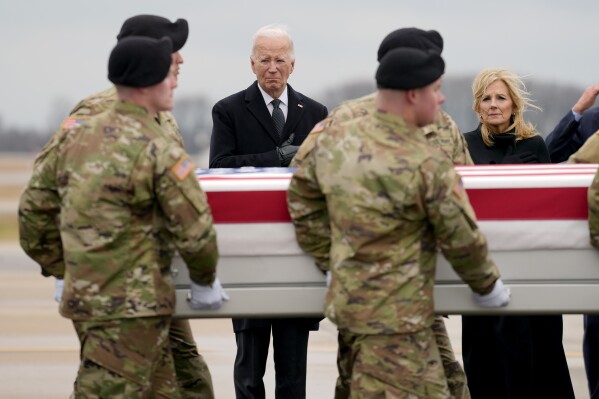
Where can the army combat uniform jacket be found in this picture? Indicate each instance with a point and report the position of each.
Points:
(589, 153)
(107, 201)
(443, 133)
(370, 201)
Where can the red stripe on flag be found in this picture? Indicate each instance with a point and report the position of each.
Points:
(249, 206)
(562, 203)
(555, 203)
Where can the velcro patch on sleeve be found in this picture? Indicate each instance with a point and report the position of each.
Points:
(182, 168)
(458, 187)
(319, 127)
(72, 121)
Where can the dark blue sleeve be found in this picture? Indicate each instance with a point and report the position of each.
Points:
(564, 140)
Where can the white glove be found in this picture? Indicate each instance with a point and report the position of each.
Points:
(58, 287)
(207, 297)
(498, 297)
(328, 278)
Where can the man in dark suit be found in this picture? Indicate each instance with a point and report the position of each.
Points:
(575, 127)
(263, 126)
(567, 137)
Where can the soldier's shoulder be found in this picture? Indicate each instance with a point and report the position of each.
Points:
(96, 103)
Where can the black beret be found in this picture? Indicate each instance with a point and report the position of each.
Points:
(139, 61)
(407, 68)
(156, 27)
(413, 38)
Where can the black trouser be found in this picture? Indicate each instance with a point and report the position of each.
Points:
(290, 347)
(513, 357)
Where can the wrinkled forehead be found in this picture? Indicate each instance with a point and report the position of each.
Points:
(267, 47)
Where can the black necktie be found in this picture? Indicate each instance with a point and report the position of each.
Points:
(277, 116)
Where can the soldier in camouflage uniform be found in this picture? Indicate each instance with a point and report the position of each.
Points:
(107, 201)
(589, 153)
(193, 375)
(370, 202)
(443, 134)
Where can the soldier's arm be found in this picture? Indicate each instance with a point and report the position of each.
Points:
(588, 153)
(39, 212)
(461, 156)
(594, 211)
(455, 227)
(188, 214)
(308, 209)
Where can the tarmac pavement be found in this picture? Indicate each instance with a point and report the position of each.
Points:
(39, 349)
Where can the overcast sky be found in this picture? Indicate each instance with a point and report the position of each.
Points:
(55, 52)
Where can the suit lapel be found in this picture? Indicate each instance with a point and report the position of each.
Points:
(256, 106)
(295, 111)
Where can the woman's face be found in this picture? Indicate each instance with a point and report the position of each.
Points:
(496, 107)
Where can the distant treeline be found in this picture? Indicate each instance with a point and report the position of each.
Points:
(194, 113)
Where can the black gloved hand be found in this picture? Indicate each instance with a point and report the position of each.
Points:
(287, 151)
(524, 157)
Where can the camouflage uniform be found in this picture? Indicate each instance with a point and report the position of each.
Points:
(588, 153)
(109, 200)
(363, 183)
(445, 135)
(193, 375)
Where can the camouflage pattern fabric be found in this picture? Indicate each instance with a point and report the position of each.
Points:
(192, 371)
(443, 133)
(100, 102)
(40, 236)
(399, 366)
(588, 153)
(193, 375)
(329, 190)
(594, 211)
(446, 136)
(453, 370)
(127, 358)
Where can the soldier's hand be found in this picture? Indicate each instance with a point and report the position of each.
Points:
(58, 287)
(207, 297)
(287, 151)
(497, 298)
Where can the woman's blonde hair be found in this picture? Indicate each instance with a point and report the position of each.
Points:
(518, 94)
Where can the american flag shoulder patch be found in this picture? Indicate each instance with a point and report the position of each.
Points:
(458, 187)
(182, 168)
(72, 121)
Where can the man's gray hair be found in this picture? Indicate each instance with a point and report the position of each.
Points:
(273, 30)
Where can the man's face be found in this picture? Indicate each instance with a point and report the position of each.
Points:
(272, 64)
(429, 102)
(177, 60)
(160, 96)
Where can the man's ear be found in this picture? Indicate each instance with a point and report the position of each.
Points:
(412, 96)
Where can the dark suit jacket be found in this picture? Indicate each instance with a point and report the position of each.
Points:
(568, 136)
(243, 133)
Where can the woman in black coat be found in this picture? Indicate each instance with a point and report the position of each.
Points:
(508, 357)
